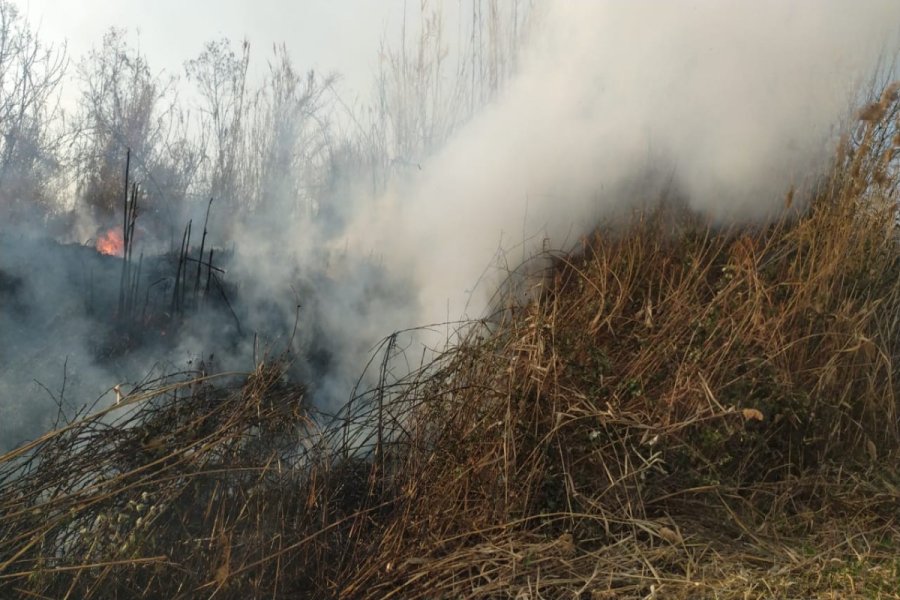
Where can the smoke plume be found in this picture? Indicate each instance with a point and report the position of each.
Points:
(730, 103)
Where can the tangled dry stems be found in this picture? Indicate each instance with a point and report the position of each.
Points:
(685, 411)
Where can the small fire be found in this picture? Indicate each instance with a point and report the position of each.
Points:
(111, 243)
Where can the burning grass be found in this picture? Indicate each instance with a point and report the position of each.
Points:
(684, 412)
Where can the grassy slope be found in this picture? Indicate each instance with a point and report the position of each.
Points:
(685, 412)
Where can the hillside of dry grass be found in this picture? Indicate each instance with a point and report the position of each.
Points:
(685, 411)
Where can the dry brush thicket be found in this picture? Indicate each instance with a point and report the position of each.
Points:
(685, 411)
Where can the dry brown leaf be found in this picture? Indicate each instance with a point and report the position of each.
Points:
(224, 570)
(752, 414)
(673, 537)
(872, 450)
(873, 112)
(222, 574)
(566, 544)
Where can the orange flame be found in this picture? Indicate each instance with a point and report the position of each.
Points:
(111, 243)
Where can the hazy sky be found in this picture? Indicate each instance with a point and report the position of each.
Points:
(327, 35)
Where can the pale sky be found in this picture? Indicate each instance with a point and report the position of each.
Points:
(327, 35)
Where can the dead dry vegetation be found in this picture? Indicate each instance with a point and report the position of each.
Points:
(685, 412)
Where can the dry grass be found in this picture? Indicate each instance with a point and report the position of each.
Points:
(685, 412)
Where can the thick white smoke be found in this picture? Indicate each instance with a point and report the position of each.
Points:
(735, 100)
